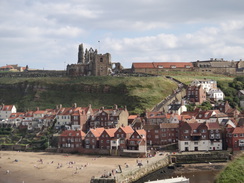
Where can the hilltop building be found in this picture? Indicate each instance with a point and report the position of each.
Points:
(90, 63)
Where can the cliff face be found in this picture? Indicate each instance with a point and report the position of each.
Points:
(31, 95)
(137, 93)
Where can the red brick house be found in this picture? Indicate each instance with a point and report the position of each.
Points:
(71, 139)
(168, 133)
(199, 136)
(91, 139)
(157, 117)
(153, 134)
(105, 138)
(121, 136)
(235, 139)
(196, 94)
(137, 141)
(109, 118)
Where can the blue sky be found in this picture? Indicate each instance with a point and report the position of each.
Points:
(46, 34)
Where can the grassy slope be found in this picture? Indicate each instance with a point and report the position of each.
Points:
(137, 93)
(233, 173)
(187, 77)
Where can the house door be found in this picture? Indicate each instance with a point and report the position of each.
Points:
(196, 148)
(186, 149)
(214, 148)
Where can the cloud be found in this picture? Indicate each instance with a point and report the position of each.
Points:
(44, 33)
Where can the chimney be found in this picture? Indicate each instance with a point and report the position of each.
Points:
(115, 107)
(37, 109)
(75, 105)
(60, 106)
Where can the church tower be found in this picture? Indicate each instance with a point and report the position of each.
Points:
(81, 54)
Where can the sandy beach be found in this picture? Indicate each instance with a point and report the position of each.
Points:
(43, 167)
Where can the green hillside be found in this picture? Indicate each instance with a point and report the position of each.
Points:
(233, 172)
(137, 93)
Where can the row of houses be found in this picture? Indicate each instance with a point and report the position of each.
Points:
(115, 140)
(161, 128)
(201, 90)
(73, 117)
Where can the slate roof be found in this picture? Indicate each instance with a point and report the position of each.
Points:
(174, 107)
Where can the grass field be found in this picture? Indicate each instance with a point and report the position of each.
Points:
(137, 93)
(233, 173)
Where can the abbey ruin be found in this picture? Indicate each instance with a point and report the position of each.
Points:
(90, 63)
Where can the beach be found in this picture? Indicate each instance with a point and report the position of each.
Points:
(45, 167)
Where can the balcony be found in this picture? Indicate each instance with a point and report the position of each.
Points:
(241, 144)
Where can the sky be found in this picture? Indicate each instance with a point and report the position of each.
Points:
(45, 34)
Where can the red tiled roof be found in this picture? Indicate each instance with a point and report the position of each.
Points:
(6, 107)
(167, 65)
(72, 133)
(111, 131)
(97, 131)
(132, 117)
(169, 125)
(127, 129)
(141, 132)
(238, 130)
(40, 112)
(194, 126)
(212, 126)
(7, 66)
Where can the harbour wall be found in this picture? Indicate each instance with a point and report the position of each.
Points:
(131, 175)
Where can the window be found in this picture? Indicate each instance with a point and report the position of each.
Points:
(186, 143)
(186, 131)
(195, 143)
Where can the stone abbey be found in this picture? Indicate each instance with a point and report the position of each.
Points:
(90, 63)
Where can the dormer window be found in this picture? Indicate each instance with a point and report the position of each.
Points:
(160, 67)
(173, 66)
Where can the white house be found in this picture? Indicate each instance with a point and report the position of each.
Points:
(216, 94)
(207, 84)
(64, 117)
(6, 111)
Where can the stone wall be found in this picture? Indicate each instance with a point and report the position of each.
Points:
(136, 174)
(176, 95)
(34, 73)
(201, 157)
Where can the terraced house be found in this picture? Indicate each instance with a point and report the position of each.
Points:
(199, 136)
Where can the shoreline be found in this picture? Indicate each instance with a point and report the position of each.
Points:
(45, 167)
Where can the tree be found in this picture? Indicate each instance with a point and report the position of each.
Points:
(205, 106)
